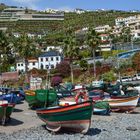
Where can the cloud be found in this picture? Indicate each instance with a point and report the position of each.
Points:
(25, 1)
(64, 8)
(28, 3)
(67, 8)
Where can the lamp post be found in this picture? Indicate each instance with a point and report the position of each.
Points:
(48, 75)
(118, 67)
(132, 44)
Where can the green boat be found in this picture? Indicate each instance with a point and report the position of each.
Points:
(40, 97)
(76, 117)
(113, 88)
(5, 111)
(101, 108)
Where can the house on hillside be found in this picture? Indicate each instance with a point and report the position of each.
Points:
(101, 29)
(52, 48)
(20, 65)
(105, 44)
(33, 63)
(49, 60)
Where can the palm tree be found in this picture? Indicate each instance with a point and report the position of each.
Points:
(70, 49)
(25, 48)
(5, 51)
(93, 41)
(126, 33)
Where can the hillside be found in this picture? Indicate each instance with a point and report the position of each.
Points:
(77, 21)
(2, 6)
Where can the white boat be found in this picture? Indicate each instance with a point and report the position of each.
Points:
(137, 88)
(123, 103)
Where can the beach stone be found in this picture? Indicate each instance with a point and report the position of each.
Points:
(131, 128)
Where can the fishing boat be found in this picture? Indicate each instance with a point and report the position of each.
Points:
(98, 84)
(6, 110)
(95, 85)
(12, 97)
(126, 102)
(123, 104)
(40, 97)
(75, 118)
(101, 108)
(113, 88)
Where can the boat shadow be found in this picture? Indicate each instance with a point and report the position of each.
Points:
(91, 131)
(126, 112)
(14, 122)
(135, 112)
(17, 110)
(21, 102)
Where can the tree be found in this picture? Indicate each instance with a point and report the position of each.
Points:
(93, 40)
(5, 51)
(109, 76)
(63, 69)
(25, 48)
(70, 49)
(136, 61)
(126, 34)
(83, 65)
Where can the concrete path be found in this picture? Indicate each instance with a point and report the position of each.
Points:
(21, 118)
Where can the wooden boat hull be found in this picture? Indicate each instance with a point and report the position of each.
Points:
(76, 117)
(39, 98)
(104, 110)
(101, 108)
(5, 112)
(124, 104)
(101, 111)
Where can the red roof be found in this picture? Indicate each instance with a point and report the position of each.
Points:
(104, 35)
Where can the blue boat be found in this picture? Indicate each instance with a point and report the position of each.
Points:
(13, 96)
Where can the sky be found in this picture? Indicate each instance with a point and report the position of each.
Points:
(72, 4)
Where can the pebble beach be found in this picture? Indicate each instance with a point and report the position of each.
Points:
(25, 125)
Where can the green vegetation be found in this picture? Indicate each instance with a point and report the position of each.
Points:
(63, 33)
(77, 21)
(109, 76)
(2, 6)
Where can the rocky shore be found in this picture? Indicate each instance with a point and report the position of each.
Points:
(117, 126)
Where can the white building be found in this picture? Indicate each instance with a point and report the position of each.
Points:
(50, 48)
(15, 14)
(79, 11)
(35, 83)
(4, 29)
(120, 21)
(33, 63)
(105, 47)
(101, 29)
(105, 44)
(20, 65)
(104, 37)
(136, 34)
(135, 30)
(49, 60)
(17, 35)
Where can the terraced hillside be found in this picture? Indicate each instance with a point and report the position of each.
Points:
(77, 21)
